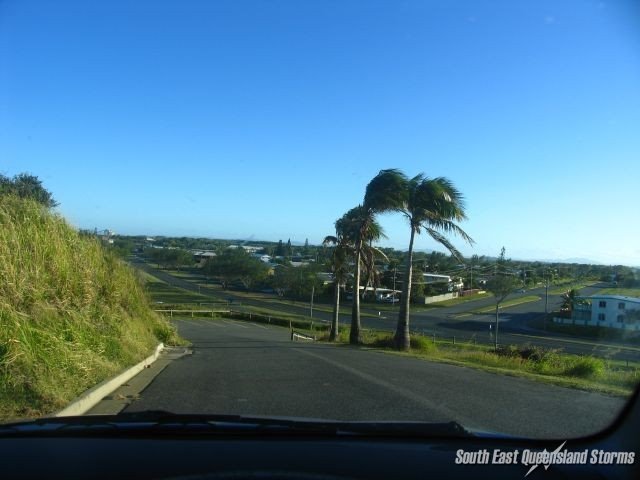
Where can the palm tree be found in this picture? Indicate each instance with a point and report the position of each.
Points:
(569, 300)
(432, 205)
(342, 251)
(361, 229)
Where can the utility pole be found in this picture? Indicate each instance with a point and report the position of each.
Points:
(313, 290)
(546, 300)
(495, 348)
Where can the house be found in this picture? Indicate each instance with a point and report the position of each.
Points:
(262, 257)
(454, 284)
(201, 256)
(613, 311)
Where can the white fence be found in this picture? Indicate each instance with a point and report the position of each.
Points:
(440, 298)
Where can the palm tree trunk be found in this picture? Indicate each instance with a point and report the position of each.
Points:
(402, 337)
(354, 335)
(333, 335)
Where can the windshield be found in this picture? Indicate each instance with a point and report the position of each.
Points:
(354, 211)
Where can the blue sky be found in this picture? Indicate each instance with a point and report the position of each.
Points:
(266, 119)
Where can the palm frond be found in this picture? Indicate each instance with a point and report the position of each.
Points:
(386, 192)
(447, 226)
(444, 241)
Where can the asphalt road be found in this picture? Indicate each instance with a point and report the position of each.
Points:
(252, 369)
(451, 322)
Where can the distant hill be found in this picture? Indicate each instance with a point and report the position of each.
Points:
(72, 314)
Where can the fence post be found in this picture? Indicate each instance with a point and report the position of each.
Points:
(170, 313)
(434, 338)
(269, 318)
(191, 313)
(454, 339)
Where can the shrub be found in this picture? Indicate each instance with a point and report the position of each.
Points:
(585, 367)
(422, 344)
(508, 351)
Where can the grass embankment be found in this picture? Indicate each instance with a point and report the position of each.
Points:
(71, 313)
(535, 363)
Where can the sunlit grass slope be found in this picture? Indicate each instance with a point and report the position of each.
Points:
(71, 313)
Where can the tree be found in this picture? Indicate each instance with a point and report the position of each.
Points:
(569, 301)
(432, 205)
(339, 265)
(236, 264)
(280, 249)
(25, 185)
(501, 285)
(344, 249)
(360, 227)
(169, 257)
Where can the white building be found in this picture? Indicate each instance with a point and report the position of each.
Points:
(614, 311)
(454, 283)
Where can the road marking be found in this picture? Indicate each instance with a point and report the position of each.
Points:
(213, 323)
(259, 326)
(460, 315)
(231, 322)
(191, 322)
(403, 392)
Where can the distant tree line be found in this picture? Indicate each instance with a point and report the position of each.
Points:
(169, 257)
(25, 185)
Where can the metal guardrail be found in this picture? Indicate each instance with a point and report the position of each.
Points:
(300, 336)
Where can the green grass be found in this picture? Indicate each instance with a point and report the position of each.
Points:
(509, 303)
(628, 292)
(161, 292)
(534, 363)
(460, 300)
(559, 290)
(71, 313)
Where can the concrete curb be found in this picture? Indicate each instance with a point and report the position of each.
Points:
(92, 397)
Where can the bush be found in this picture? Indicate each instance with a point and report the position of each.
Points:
(508, 351)
(585, 367)
(422, 344)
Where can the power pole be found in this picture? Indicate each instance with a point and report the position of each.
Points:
(546, 300)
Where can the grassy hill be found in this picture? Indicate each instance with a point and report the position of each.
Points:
(71, 313)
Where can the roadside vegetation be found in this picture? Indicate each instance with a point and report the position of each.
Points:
(71, 313)
(612, 377)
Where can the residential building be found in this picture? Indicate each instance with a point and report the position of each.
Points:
(613, 311)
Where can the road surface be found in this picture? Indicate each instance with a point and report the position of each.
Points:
(252, 369)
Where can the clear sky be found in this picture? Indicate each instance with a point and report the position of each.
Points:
(266, 119)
